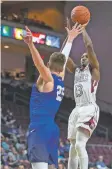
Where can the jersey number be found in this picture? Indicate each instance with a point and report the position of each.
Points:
(60, 93)
(78, 90)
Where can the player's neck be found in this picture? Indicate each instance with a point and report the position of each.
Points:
(84, 66)
(58, 74)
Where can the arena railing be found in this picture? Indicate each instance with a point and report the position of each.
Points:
(100, 145)
(20, 97)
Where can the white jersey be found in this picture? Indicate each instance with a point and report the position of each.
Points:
(84, 87)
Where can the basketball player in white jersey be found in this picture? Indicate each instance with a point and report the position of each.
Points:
(84, 118)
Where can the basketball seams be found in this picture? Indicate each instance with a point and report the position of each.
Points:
(80, 14)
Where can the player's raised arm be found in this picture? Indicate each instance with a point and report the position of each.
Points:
(91, 55)
(72, 34)
(43, 70)
(70, 65)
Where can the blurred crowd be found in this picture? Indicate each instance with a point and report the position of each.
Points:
(13, 144)
(63, 154)
(13, 17)
(14, 147)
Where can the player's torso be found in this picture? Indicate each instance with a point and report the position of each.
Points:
(44, 106)
(84, 87)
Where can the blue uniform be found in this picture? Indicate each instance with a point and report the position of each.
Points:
(43, 137)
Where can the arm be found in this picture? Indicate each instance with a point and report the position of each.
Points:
(72, 34)
(43, 70)
(13, 163)
(91, 56)
(39, 81)
(71, 66)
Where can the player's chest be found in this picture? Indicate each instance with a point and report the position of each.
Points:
(82, 77)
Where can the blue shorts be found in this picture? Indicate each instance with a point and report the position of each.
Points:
(43, 142)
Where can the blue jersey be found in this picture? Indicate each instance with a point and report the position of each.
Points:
(44, 106)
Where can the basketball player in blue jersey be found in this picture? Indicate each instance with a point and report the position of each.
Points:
(46, 97)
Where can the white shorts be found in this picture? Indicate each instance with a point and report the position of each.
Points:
(83, 116)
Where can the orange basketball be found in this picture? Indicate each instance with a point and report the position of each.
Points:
(80, 14)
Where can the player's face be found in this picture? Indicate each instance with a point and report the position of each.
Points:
(84, 59)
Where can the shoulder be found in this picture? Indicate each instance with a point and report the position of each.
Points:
(78, 69)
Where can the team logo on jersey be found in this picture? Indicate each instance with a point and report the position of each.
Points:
(81, 78)
(78, 90)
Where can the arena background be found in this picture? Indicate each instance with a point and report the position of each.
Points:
(18, 71)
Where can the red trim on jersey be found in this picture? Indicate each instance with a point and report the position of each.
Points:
(91, 123)
(93, 84)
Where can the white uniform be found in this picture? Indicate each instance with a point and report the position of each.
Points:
(86, 112)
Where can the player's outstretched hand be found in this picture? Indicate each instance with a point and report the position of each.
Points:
(74, 32)
(28, 37)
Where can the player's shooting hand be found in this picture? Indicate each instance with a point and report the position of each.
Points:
(84, 25)
(74, 32)
(28, 37)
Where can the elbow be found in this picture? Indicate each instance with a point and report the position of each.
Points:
(89, 45)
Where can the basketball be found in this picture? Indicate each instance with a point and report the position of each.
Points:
(80, 14)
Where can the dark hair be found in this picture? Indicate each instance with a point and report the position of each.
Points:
(57, 61)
